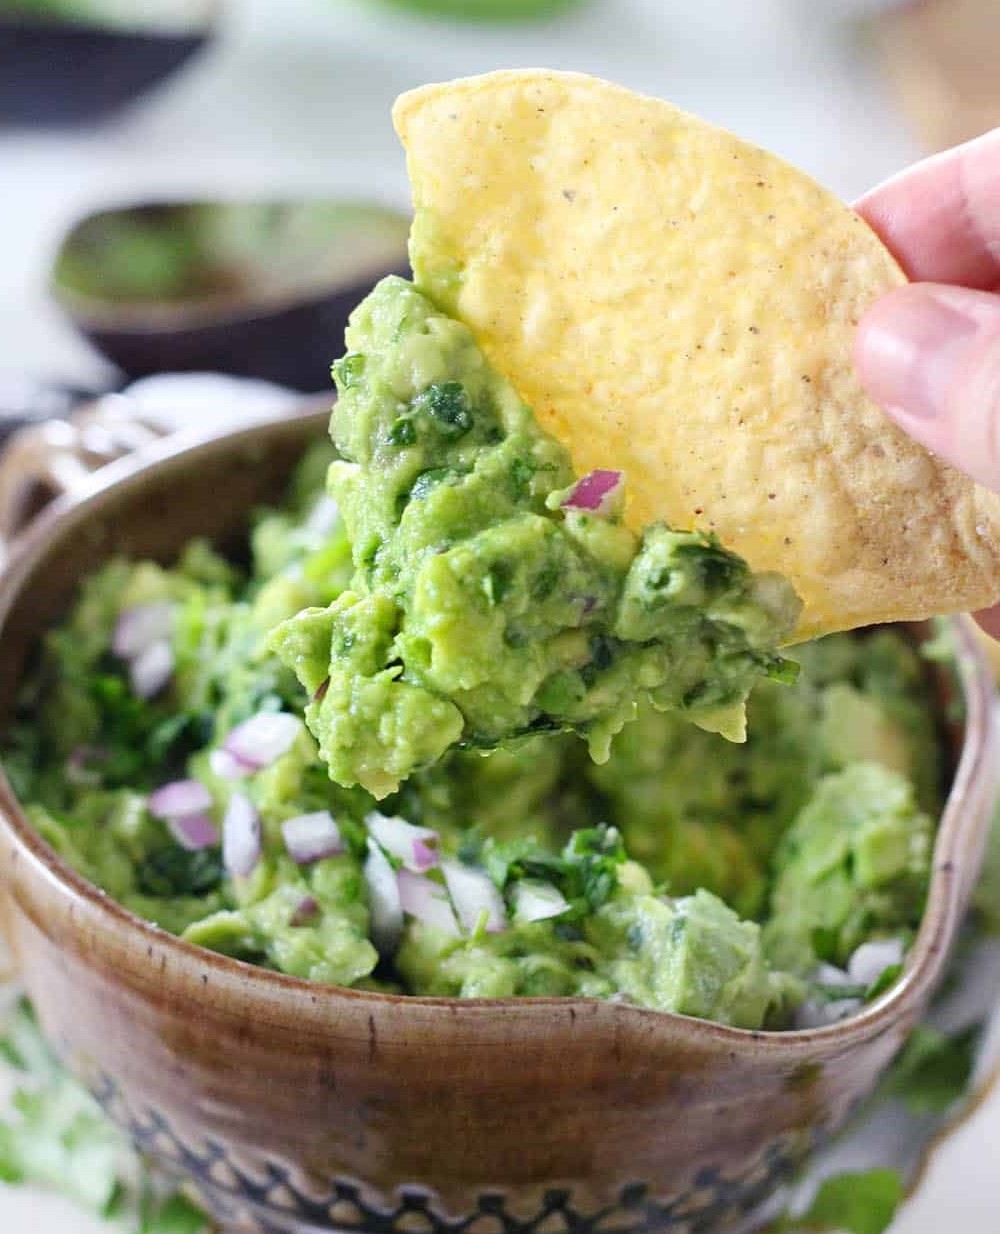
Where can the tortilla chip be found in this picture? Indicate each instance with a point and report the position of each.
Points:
(680, 304)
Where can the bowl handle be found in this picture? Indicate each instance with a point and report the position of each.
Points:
(44, 461)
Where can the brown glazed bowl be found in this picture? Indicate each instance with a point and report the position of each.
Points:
(301, 1108)
(56, 72)
(252, 288)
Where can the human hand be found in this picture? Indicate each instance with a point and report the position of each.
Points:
(929, 352)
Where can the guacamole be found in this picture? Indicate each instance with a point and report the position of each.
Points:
(685, 873)
(495, 595)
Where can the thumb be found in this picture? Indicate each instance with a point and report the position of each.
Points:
(930, 355)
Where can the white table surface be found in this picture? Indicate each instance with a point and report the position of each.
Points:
(296, 96)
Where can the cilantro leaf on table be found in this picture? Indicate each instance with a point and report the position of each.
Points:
(22, 1045)
(59, 1138)
(853, 1203)
(933, 1069)
(175, 1215)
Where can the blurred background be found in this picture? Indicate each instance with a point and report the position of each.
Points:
(115, 103)
(211, 184)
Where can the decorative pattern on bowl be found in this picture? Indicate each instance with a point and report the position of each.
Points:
(271, 1198)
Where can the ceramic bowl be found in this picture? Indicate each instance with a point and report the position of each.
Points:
(55, 72)
(251, 288)
(300, 1108)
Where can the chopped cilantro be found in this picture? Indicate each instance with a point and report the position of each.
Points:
(427, 480)
(402, 433)
(176, 871)
(593, 856)
(586, 872)
(447, 404)
(522, 472)
(886, 978)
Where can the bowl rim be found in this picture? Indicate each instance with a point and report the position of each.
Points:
(958, 835)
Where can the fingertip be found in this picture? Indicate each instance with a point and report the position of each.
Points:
(939, 217)
(930, 356)
(875, 334)
(906, 346)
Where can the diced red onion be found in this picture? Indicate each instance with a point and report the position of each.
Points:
(179, 798)
(474, 893)
(227, 766)
(870, 960)
(383, 900)
(535, 900)
(426, 900)
(408, 843)
(150, 671)
(263, 739)
(194, 831)
(310, 837)
(304, 911)
(598, 492)
(424, 857)
(139, 627)
(241, 841)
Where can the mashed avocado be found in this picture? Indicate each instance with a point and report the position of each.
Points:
(686, 873)
(426, 815)
(486, 603)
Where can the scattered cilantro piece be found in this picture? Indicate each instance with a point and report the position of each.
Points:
(23, 1046)
(60, 1138)
(933, 1069)
(861, 1203)
(175, 1215)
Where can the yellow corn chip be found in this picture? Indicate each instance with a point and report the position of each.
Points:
(680, 304)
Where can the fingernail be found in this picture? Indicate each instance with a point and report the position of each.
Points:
(909, 348)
